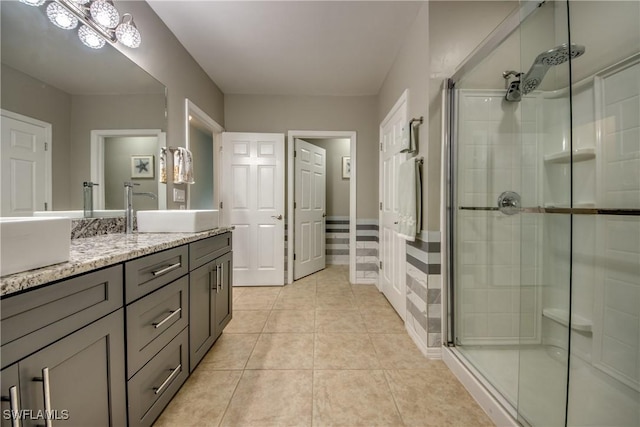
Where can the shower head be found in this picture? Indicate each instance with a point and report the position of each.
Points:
(556, 56)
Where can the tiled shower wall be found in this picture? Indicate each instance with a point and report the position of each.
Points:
(424, 289)
(367, 260)
(337, 240)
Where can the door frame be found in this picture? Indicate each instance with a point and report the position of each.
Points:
(97, 160)
(191, 109)
(302, 134)
(48, 163)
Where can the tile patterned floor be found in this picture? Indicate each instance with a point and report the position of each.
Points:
(320, 352)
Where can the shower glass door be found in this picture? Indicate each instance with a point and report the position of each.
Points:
(512, 260)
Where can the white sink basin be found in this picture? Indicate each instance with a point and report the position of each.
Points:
(177, 221)
(27, 243)
(80, 214)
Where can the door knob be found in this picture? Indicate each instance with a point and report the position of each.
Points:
(279, 217)
(324, 215)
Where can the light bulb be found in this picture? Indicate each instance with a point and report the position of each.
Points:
(33, 2)
(90, 38)
(105, 13)
(127, 33)
(60, 17)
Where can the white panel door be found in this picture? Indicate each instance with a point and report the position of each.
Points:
(252, 194)
(392, 247)
(310, 208)
(23, 168)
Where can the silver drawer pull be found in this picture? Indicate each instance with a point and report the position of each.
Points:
(158, 390)
(222, 277)
(166, 319)
(166, 269)
(218, 278)
(14, 406)
(46, 388)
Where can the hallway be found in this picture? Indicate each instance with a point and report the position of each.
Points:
(319, 352)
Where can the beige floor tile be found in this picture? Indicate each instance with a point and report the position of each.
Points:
(290, 321)
(339, 321)
(381, 321)
(323, 288)
(299, 290)
(254, 301)
(336, 302)
(271, 398)
(247, 321)
(282, 351)
(295, 302)
(353, 398)
(434, 397)
(202, 400)
(368, 289)
(231, 351)
(398, 351)
(344, 351)
(371, 300)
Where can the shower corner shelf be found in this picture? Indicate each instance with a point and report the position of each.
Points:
(578, 323)
(578, 155)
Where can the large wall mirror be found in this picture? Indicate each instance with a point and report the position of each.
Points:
(56, 88)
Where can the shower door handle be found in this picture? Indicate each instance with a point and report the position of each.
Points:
(509, 203)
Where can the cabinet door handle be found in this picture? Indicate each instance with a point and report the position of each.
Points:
(167, 269)
(14, 406)
(166, 319)
(174, 371)
(222, 277)
(46, 389)
(218, 278)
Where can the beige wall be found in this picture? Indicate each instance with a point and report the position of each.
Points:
(337, 203)
(54, 107)
(263, 113)
(410, 71)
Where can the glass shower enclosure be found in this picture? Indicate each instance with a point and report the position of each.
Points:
(543, 204)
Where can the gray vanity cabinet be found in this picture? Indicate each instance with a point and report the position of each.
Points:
(210, 294)
(9, 394)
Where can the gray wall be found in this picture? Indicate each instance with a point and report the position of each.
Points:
(54, 107)
(264, 113)
(410, 71)
(162, 56)
(93, 112)
(201, 146)
(117, 170)
(337, 188)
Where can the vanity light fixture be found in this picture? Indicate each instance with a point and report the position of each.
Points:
(100, 21)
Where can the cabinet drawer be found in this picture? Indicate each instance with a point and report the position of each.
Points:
(203, 251)
(37, 318)
(146, 274)
(154, 320)
(151, 389)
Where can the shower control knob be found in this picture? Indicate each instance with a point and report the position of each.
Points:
(509, 203)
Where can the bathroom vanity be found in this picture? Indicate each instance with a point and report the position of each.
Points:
(108, 338)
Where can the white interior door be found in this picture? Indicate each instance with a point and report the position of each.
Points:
(392, 247)
(24, 167)
(252, 194)
(310, 208)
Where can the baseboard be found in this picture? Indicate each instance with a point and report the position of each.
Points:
(365, 281)
(498, 414)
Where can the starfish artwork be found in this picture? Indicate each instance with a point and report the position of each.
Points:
(142, 166)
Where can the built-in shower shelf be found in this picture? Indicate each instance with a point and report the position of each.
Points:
(578, 323)
(579, 155)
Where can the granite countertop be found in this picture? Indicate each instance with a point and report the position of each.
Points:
(96, 252)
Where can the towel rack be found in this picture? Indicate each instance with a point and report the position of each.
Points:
(420, 120)
(419, 160)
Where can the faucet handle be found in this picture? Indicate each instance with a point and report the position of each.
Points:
(130, 183)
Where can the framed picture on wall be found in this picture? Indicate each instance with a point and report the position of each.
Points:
(142, 167)
(346, 167)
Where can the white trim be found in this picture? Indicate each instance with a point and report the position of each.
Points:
(191, 109)
(433, 353)
(291, 136)
(491, 406)
(48, 164)
(97, 161)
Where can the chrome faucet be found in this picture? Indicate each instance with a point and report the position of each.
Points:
(128, 204)
(87, 191)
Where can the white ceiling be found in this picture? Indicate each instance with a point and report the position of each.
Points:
(292, 47)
